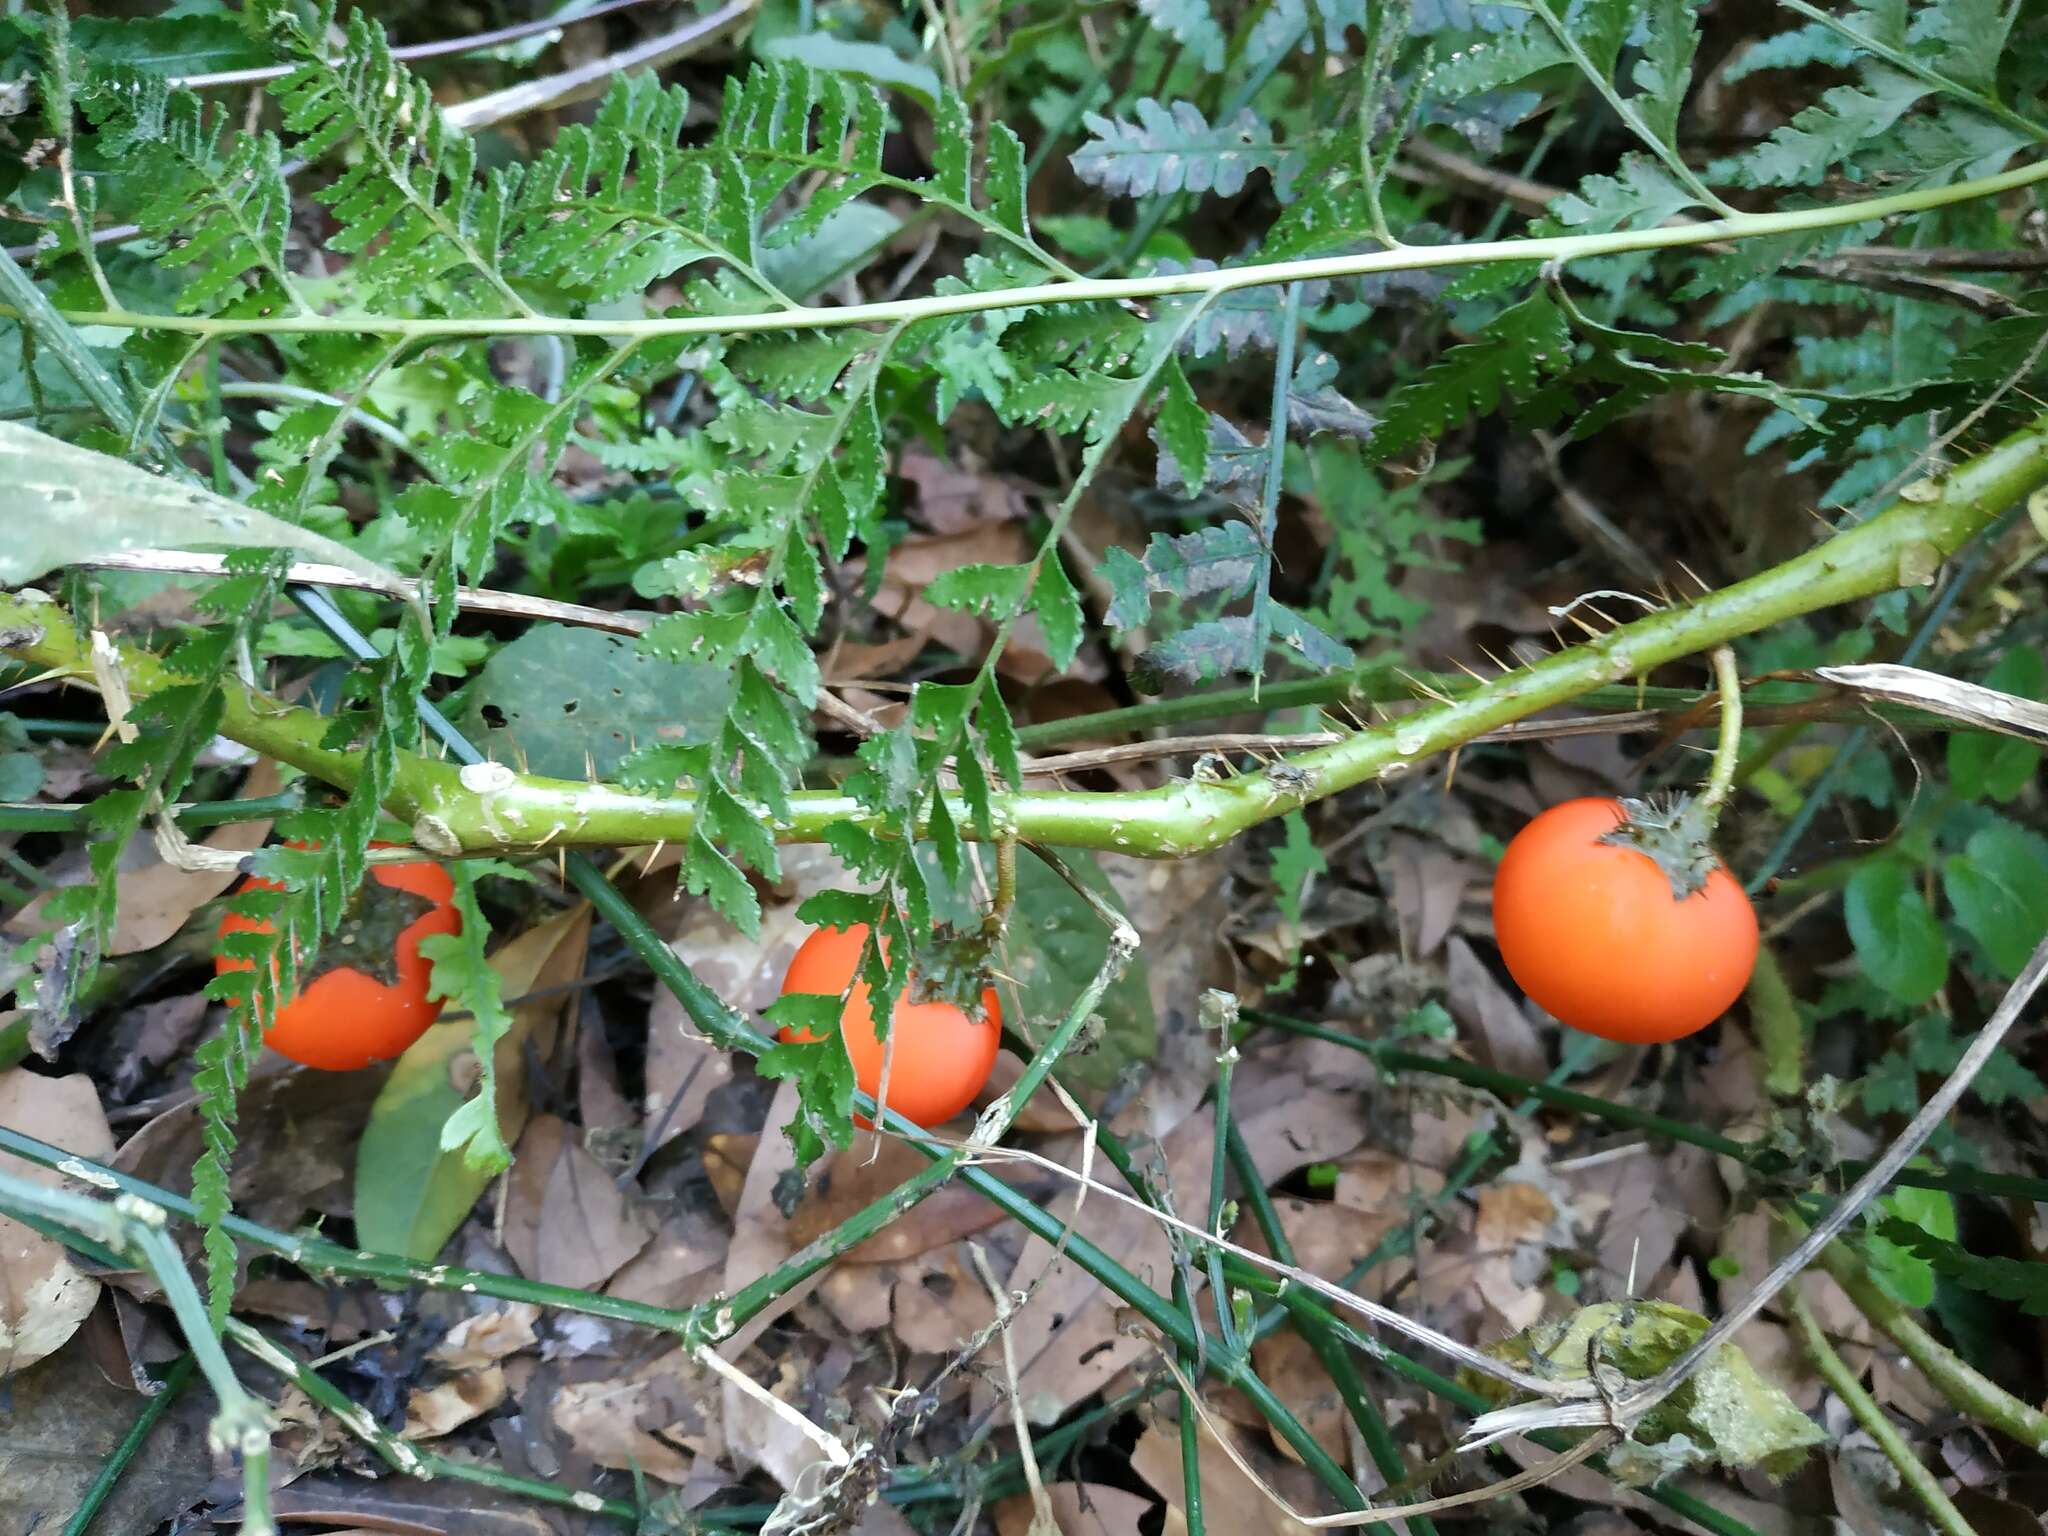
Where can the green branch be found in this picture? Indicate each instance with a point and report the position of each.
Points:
(1876, 1423)
(1409, 258)
(489, 808)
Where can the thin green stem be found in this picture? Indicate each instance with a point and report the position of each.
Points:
(168, 1391)
(1876, 1423)
(1365, 1413)
(1276, 467)
(1562, 248)
(349, 410)
(212, 813)
(1190, 1422)
(1962, 1384)
(1625, 109)
(1728, 749)
(1219, 1018)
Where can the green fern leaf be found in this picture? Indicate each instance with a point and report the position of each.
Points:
(2022, 1282)
(1642, 196)
(1191, 24)
(1826, 134)
(409, 235)
(1519, 347)
(1222, 559)
(1174, 149)
(1664, 71)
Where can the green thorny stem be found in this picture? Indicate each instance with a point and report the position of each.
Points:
(1836, 1373)
(510, 812)
(1407, 258)
(132, 1229)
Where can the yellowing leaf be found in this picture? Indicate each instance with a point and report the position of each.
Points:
(410, 1195)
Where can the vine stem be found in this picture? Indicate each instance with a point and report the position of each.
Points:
(1961, 1383)
(487, 808)
(129, 1229)
(168, 1391)
(1836, 1373)
(1728, 748)
(1560, 248)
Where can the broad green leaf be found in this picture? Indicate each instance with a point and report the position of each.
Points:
(1905, 1275)
(1982, 766)
(558, 692)
(872, 61)
(1052, 948)
(62, 505)
(411, 1193)
(1898, 942)
(1998, 886)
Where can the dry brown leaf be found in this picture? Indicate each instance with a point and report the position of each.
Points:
(435, 1411)
(938, 1302)
(726, 1161)
(639, 1419)
(409, 1506)
(951, 499)
(342, 1313)
(849, 1181)
(484, 1338)
(1511, 1230)
(858, 1296)
(1080, 1509)
(756, 1435)
(682, 1265)
(1493, 1022)
(43, 1295)
(296, 1134)
(567, 1222)
(1230, 1502)
(1429, 881)
(59, 1423)
(761, 1237)
(1067, 1339)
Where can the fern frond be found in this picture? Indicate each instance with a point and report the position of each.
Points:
(411, 206)
(1521, 345)
(1174, 149)
(1191, 24)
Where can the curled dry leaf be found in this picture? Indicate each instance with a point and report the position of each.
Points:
(435, 1411)
(43, 1295)
(649, 1419)
(487, 1337)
